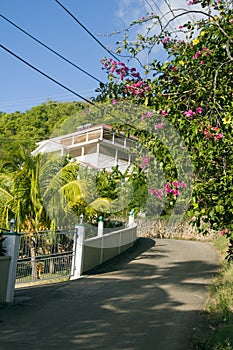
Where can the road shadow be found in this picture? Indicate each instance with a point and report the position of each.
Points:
(141, 302)
(140, 246)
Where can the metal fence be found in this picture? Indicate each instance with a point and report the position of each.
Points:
(45, 255)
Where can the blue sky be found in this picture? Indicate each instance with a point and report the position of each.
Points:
(21, 87)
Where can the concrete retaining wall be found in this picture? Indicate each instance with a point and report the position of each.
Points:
(100, 249)
(92, 252)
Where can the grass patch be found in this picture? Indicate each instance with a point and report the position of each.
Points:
(219, 307)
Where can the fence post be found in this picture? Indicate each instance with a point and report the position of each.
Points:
(100, 226)
(78, 249)
(131, 218)
(11, 244)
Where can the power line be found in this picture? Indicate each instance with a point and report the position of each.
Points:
(48, 48)
(46, 75)
(29, 102)
(58, 83)
(88, 31)
(35, 99)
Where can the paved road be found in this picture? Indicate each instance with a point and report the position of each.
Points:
(147, 299)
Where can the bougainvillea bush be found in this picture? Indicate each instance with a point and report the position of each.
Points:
(191, 91)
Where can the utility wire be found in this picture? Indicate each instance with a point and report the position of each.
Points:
(48, 48)
(58, 83)
(46, 75)
(88, 31)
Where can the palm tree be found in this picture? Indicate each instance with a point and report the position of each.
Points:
(44, 192)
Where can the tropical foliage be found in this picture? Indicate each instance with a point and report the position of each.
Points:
(190, 92)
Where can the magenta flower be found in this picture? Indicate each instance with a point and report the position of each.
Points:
(219, 136)
(159, 193)
(189, 113)
(114, 102)
(199, 110)
(223, 232)
(175, 192)
(197, 54)
(164, 113)
(159, 126)
(165, 40)
(176, 184)
(151, 191)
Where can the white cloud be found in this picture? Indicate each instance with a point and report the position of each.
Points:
(129, 10)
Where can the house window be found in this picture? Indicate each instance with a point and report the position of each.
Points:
(77, 152)
(80, 138)
(122, 155)
(119, 140)
(108, 135)
(90, 149)
(94, 135)
(107, 151)
(67, 141)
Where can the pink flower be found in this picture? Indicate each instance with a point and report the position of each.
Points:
(202, 62)
(182, 184)
(175, 192)
(181, 27)
(189, 113)
(164, 113)
(223, 232)
(165, 40)
(176, 184)
(199, 110)
(114, 102)
(159, 193)
(219, 136)
(167, 188)
(159, 126)
(151, 191)
(197, 54)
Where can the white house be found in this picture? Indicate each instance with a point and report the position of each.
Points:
(95, 146)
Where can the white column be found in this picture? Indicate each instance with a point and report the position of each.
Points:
(131, 218)
(100, 227)
(11, 244)
(77, 261)
(116, 156)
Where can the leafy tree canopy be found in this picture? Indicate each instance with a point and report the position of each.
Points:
(192, 93)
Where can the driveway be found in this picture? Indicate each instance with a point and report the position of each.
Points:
(148, 298)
